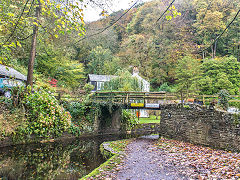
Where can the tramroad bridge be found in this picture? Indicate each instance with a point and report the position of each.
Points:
(191, 122)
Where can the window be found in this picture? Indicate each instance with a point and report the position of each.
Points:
(100, 85)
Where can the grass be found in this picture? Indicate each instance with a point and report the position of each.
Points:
(114, 159)
(150, 119)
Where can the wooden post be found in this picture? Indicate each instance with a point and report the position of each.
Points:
(181, 97)
(165, 98)
(203, 100)
(144, 100)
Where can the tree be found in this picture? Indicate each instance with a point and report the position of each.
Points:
(102, 61)
(65, 17)
(188, 72)
(123, 82)
(222, 73)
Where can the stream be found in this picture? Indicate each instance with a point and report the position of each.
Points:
(70, 159)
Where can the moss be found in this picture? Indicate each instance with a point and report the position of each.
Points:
(186, 106)
(114, 156)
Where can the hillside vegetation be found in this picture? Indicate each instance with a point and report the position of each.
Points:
(175, 53)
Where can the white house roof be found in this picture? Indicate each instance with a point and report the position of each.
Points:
(100, 78)
(12, 73)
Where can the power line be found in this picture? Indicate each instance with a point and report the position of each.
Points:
(216, 39)
(104, 29)
(165, 11)
(14, 29)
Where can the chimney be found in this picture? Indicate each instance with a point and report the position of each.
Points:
(135, 70)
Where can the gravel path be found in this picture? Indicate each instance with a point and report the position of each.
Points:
(144, 162)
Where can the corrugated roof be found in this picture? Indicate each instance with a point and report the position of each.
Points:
(12, 73)
(100, 78)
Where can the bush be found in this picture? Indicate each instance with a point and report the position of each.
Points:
(129, 120)
(79, 111)
(45, 116)
(165, 87)
(88, 88)
(234, 104)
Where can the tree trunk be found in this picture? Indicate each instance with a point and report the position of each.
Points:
(238, 53)
(33, 47)
(212, 52)
(215, 49)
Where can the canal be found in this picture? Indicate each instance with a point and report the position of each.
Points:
(70, 159)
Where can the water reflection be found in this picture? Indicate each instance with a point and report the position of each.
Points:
(71, 159)
(66, 160)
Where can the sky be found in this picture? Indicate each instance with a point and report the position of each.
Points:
(92, 14)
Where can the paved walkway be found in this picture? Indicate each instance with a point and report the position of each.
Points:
(144, 162)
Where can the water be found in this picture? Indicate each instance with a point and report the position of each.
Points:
(70, 159)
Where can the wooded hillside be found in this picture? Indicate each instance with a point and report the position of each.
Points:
(177, 51)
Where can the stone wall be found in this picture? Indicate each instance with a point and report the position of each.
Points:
(199, 125)
(108, 121)
(151, 128)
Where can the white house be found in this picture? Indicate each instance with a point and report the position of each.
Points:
(98, 82)
(145, 88)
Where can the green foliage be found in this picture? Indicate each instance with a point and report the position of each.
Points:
(220, 73)
(79, 111)
(82, 117)
(102, 61)
(136, 40)
(129, 120)
(55, 62)
(188, 73)
(123, 82)
(165, 87)
(56, 20)
(88, 88)
(223, 97)
(75, 130)
(234, 104)
(45, 116)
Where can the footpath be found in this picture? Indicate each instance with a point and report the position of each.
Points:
(150, 158)
(144, 161)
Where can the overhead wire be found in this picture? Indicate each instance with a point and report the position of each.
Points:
(216, 39)
(170, 5)
(15, 27)
(107, 27)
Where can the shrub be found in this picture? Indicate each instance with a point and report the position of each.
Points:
(165, 87)
(45, 116)
(79, 111)
(235, 104)
(88, 88)
(129, 120)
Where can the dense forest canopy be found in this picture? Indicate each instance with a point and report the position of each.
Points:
(178, 50)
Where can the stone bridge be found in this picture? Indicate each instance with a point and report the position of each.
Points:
(190, 123)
